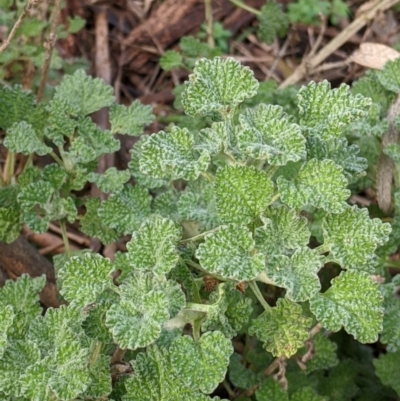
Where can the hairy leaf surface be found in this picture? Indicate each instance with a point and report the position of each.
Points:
(229, 252)
(242, 193)
(153, 246)
(85, 278)
(283, 329)
(216, 86)
(319, 183)
(353, 302)
(172, 156)
(266, 132)
(352, 237)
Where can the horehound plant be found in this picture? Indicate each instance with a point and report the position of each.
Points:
(245, 256)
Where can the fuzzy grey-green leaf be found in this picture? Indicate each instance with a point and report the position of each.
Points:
(297, 274)
(229, 252)
(266, 132)
(85, 278)
(352, 237)
(353, 302)
(319, 183)
(153, 246)
(216, 86)
(172, 156)
(242, 193)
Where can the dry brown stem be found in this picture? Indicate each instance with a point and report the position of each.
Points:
(309, 63)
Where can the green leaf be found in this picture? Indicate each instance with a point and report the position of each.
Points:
(216, 86)
(165, 204)
(153, 247)
(22, 138)
(93, 225)
(6, 320)
(147, 302)
(283, 229)
(197, 203)
(156, 378)
(10, 224)
(229, 252)
(272, 22)
(393, 151)
(266, 132)
(112, 180)
(228, 311)
(203, 363)
(41, 203)
(338, 150)
(352, 237)
(172, 156)
(215, 139)
(90, 143)
(307, 394)
(323, 352)
(124, 211)
(325, 112)
(242, 377)
(16, 358)
(370, 86)
(270, 389)
(100, 379)
(130, 120)
(71, 377)
(16, 105)
(319, 183)
(94, 324)
(23, 296)
(389, 76)
(75, 24)
(85, 278)
(134, 166)
(193, 47)
(391, 320)
(242, 193)
(62, 120)
(388, 370)
(297, 274)
(283, 328)
(353, 302)
(85, 93)
(171, 59)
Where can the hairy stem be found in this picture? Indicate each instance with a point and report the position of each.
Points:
(256, 291)
(240, 4)
(200, 236)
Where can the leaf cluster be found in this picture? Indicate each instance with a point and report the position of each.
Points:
(258, 244)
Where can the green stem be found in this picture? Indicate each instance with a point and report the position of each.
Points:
(10, 167)
(254, 287)
(271, 170)
(196, 330)
(274, 198)
(94, 356)
(323, 248)
(208, 176)
(197, 237)
(392, 264)
(198, 307)
(240, 4)
(65, 237)
(57, 159)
